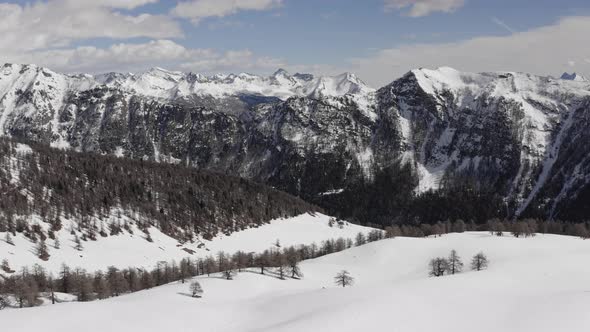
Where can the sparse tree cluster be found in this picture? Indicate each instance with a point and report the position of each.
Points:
(440, 266)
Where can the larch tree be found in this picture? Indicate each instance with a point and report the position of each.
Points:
(479, 262)
(343, 278)
(454, 263)
(360, 239)
(196, 289)
(293, 259)
(438, 266)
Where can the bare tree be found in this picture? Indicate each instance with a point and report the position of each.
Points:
(225, 265)
(196, 289)
(293, 260)
(280, 262)
(360, 239)
(343, 278)
(438, 266)
(51, 288)
(209, 265)
(27, 291)
(183, 271)
(101, 286)
(262, 261)
(455, 265)
(479, 262)
(229, 273)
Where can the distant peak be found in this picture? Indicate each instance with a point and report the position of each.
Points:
(280, 72)
(162, 70)
(573, 77)
(304, 77)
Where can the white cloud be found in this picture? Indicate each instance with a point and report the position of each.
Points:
(196, 10)
(57, 23)
(546, 50)
(420, 8)
(125, 4)
(126, 57)
(234, 61)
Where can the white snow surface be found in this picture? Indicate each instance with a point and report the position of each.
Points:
(535, 284)
(133, 250)
(161, 83)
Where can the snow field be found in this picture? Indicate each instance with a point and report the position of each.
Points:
(133, 250)
(534, 284)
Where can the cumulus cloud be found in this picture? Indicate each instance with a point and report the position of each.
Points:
(58, 23)
(241, 60)
(546, 50)
(418, 8)
(196, 10)
(139, 56)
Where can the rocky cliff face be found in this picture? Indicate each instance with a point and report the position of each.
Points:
(514, 138)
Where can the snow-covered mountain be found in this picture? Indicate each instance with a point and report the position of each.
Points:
(505, 143)
(519, 130)
(573, 77)
(161, 83)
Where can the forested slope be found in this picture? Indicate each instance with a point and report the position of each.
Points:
(52, 184)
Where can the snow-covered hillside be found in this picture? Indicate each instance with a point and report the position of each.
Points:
(133, 250)
(535, 284)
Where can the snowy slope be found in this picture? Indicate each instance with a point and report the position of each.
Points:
(541, 99)
(534, 284)
(133, 250)
(445, 117)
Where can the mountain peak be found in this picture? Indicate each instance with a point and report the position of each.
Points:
(280, 72)
(573, 77)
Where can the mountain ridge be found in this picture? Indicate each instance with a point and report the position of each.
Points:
(514, 136)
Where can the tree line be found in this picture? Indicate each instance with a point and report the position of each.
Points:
(28, 284)
(521, 228)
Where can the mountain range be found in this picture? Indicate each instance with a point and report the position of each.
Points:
(432, 145)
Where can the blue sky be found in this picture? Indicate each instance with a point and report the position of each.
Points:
(378, 39)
